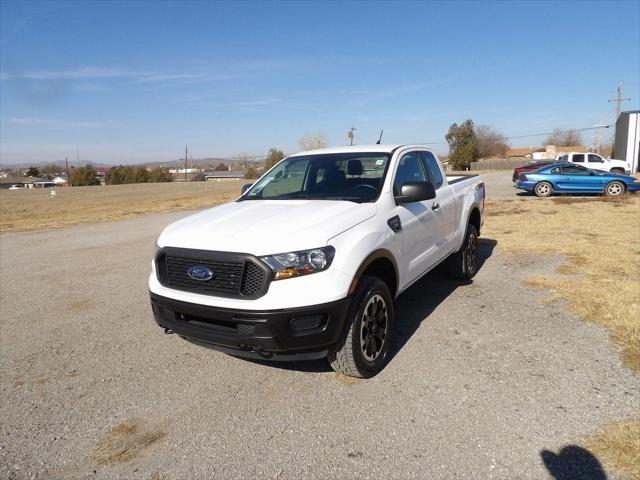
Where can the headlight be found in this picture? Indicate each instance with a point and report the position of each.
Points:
(294, 264)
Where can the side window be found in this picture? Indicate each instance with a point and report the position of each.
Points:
(595, 158)
(578, 158)
(433, 169)
(409, 170)
(555, 171)
(575, 170)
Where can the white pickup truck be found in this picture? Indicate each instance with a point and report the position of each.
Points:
(306, 263)
(595, 162)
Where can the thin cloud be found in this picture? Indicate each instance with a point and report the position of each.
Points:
(50, 122)
(369, 96)
(89, 73)
(257, 103)
(83, 73)
(89, 87)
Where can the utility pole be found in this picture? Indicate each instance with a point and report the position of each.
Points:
(598, 135)
(66, 167)
(350, 135)
(78, 156)
(619, 100)
(185, 163)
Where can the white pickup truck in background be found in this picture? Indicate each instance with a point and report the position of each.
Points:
(596, 162)
(307, 262)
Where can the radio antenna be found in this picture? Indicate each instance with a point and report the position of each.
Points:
(380, 139)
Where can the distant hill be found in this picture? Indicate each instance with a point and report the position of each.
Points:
(210, 162)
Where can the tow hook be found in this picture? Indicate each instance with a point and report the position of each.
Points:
(168, 331)
(256, 349)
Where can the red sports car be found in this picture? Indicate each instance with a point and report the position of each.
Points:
(530, 167)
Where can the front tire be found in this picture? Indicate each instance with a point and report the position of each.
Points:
(543, 189)
(614, 189)
(463, 264)
(363, 349)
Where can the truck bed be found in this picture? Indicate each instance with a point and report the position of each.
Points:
(452, 179)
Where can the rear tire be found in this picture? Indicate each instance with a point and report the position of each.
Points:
(463, 264)
(614, 189)
(543, 189)
(363, 348)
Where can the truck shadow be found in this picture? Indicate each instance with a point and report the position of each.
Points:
(573, 463)
(423, 297)
(411, 308)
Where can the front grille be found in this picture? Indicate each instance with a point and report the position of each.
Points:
(234, 275)
(253, 279)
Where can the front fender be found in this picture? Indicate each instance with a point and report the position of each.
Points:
(360, 246)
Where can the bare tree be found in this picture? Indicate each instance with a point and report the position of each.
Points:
(51, 169)
(242, 159)
(311, 141)
(564, 138)
(490, 141)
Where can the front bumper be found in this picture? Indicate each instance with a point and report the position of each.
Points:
(285, 334)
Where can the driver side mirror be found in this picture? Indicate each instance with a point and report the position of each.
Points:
(245, 187)
(415, 192)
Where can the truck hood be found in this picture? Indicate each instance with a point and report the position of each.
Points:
(262, 227)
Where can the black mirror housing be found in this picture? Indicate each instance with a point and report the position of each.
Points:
(245, 187)
(415, 192)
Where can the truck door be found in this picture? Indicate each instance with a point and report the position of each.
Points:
(419, 232)
(444, 206)
(596, 162)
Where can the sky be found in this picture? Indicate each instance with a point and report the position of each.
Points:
(127, 82)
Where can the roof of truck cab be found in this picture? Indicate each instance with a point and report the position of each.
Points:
(387, 148)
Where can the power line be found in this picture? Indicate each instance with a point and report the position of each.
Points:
(545, 134)
(531, 134)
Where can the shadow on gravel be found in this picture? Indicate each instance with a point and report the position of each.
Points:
(423, 297)
(573, 463)
(411, 308)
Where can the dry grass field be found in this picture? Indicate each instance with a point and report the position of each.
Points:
(599, 281)
(618, 446)
(36, 209)
(600, 238)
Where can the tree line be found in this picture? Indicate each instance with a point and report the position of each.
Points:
(469, 142)
(123, 174)
(88, 175)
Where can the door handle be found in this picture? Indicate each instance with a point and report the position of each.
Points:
(435, 206)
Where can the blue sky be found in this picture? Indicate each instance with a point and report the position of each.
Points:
(133, 82)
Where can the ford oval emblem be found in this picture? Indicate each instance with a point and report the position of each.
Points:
(200, 273)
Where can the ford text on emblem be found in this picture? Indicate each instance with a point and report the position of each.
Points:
(200, 273)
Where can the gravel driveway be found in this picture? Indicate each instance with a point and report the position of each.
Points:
(500, 187)
(485, 378)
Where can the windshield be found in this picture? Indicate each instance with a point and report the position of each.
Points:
(357, 177)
